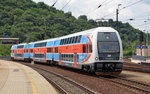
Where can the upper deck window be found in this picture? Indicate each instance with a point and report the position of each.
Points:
(20, 46)
(79, 39)
(43, 44)
(70, 40)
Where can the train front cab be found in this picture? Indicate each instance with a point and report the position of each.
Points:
(109, 54)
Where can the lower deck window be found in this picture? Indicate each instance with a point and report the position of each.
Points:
(39, 55)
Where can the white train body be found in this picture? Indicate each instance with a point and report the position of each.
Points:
(99, 50)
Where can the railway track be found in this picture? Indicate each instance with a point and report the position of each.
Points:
(104, 85)
(136, 67)
(63, 84)
(136, 86)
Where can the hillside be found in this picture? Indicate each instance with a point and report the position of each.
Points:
(28, 20)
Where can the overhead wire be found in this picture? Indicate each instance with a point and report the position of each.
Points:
(97, 7)
(129, 5)
(54, 3)
(139, 16)
(66, 4)
(142, 25)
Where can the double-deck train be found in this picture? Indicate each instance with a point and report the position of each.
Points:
(97, 50)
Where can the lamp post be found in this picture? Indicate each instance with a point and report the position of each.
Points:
(117, 13)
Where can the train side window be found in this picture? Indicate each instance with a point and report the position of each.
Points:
(70, 40)
(61, 42)
(24, 51)
(84, 48)
(76, 39)
(87, 48)
(62, 57)
(64, 41)
(73, 39)
(67, 40)
(79, 39)
(66, 57)
(31, 50)
(49, 50)
(56, 50)
(77, 58)
(90, 48)
(71, 57)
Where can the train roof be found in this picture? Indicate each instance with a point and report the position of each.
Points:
(97, 29)
(44, 40)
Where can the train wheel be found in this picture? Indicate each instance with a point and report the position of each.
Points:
(98, 73)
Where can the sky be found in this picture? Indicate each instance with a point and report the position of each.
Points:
(139, 10)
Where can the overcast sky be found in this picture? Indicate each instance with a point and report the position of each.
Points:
(129, 9)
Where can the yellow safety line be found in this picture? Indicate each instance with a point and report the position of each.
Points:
(31, 80)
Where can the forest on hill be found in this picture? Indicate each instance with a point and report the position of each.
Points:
(28, 20)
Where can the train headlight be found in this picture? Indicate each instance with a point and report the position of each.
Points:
(96, 58)
(118, 65)
(100, 65)
(121, 58)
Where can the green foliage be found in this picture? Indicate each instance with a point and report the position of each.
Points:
(21, 18)
(7, 50)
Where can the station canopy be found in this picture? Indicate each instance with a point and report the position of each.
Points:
(9, 40)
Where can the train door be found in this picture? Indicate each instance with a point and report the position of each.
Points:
(53, 51)
(22, 54)
(33, 55)
(45, 57)
(75, 60)
(59, 58)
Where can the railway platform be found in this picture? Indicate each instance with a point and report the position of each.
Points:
(16, 78)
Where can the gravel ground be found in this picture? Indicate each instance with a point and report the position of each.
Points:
(69, 88)
(97, 84)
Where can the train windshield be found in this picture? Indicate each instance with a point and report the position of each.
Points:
(108, 42)
(108, 47)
